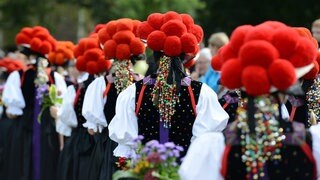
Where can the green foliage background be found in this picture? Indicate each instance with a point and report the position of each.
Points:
(62, 16)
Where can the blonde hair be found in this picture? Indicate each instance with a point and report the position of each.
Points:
(316, 23)
(218, 39)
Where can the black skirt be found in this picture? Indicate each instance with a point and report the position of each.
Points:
(5, 124)
(75, 156)
(18, 148)
(103, 163)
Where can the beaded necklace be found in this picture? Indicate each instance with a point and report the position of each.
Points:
(164, 94)
(313, 101)
(265, 142)
(123, 78)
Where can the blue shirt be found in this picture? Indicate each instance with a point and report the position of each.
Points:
(211, 78)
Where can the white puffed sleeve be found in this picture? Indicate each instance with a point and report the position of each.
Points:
(67, 118)
(12, 94)
(284, 112)
(203, 159)
(315, 132)
(123, 128)
(60, 83)
(93, 105)
(211, 117)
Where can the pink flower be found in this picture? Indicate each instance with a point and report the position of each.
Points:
(154, 158)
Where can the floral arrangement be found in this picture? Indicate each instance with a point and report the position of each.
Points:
(151, 161)
(46, 95)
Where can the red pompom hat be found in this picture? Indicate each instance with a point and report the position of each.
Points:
(11, 65)
(119, 41)
(175, 39)
(267, 57)
(35, 40)
(90, 57)
(62, 54)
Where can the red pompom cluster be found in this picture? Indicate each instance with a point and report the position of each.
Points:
(62, 54)
(11, 64)
(37, 38)
(171, 33)
(304, 32)
(264, 56)
(119, 39)
(90, 57)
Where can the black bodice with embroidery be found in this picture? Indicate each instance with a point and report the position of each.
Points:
(181, 123)
(110, 105)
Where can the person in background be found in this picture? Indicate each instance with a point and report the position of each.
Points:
(316, 30)
(211, 77)
(203, 59)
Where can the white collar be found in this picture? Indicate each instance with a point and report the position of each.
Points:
(82, 77)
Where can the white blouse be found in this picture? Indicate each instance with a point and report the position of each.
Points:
(123, 128)
(93, 105)
(12, 93)
(203, 160)
(67, 118)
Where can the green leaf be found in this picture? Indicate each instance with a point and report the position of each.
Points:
(124, 174)
(53, 93)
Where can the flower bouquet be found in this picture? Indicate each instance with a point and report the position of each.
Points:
(49, 97)
(151, 161)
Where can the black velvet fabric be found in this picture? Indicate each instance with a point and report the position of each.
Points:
(182, 121)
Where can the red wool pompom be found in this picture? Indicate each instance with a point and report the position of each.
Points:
(226, 53)
(123, 37)
(255, 80)
(282, 74)
(124, 24)
(144, 29)
(111, 27)
(258, 52)
(155, 20)
(110, 49)
(92, 67)
(237, 37)
(197, 31)
(274, 24)
(187, 20)
(174, 28)
(22, 38)
(156, 40)
(216, 63)
(189, 43)
(35, 44)
(305, 53)
(103, 35)
(260, 32)
(171, 15)
(81, 63)
(93, 54)
(123, 52)
(136, 46)
(231, 74)
(172, 46)
(285, 40)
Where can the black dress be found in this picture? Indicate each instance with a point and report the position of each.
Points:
(19, 156)
(75, 156)
(102, 162)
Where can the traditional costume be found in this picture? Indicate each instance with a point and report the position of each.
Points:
(168, 106)
(74, 161)
(33, 147)
(265, 62)
(119, 43)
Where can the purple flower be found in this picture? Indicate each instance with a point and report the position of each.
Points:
(179, 148)
(138, 139)
(152, 143)
(176, 153)
(163, 157)
(161, 148)
(170, 145)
